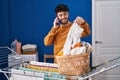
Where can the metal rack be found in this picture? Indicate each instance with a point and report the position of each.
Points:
(9, 60)
(107, 65)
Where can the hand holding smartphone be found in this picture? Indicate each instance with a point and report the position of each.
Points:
(56, 22)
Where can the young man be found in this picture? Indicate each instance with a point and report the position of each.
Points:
(61, 27)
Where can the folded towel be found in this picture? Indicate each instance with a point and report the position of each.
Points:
(29, 47)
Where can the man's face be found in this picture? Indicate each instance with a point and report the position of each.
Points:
(63, 17)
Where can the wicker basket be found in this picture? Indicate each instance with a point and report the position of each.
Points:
(74, 64)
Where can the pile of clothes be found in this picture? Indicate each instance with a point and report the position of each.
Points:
(73, 44)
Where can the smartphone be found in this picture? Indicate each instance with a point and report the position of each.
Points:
(58, 20)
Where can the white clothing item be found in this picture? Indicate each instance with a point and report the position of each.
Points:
(26, 72)
(78, 50)
(73, 37)
(88, 46)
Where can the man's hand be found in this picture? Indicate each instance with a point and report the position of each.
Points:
(79, 20)
(55, 23)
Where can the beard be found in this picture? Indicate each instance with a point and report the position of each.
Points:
(64, 21)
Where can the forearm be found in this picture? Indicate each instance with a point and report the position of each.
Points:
(49, 38)
(87, 30)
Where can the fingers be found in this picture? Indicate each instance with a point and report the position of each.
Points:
(79, 20)
(56, 20)
(55, 23)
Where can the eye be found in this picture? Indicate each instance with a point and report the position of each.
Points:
(65, 13)
(60, 15)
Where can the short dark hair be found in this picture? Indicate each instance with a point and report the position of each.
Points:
(61, 7)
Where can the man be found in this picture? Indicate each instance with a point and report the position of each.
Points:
(61, 27)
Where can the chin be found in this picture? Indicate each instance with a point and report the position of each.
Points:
(64, 22)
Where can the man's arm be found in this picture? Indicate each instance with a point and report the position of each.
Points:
(83, 24)
(49, 38)
(86, 31)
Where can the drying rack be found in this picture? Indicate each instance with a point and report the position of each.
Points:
(9, 60)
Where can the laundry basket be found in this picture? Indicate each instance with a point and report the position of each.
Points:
(71, 65)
